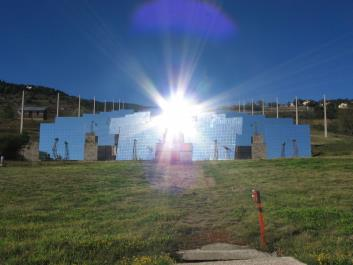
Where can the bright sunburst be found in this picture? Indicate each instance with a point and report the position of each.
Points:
(178, 117)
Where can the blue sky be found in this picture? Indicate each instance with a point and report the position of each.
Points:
(123, 49)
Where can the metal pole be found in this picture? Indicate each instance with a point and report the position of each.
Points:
(296, 111)
(57, 104)
(239, 106)
(252, 107)
(277, 108)
(263, 107)
(244, 106)
(79, 106)
(105, 105)
(94, 105)
(113, 104)
(22, 107)
(325, 116)
(119, 103)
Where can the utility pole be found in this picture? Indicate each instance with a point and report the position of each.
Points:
(22, 107)
(277, 108)
(79, 106)
(57, 104)
(263, 107)
(94, 105)
(252, 107)
(296, 111)
(105, 105)
(325, 116)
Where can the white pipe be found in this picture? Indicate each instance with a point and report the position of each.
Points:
(57, 104)
(79, 106)
(296, 111)
(325, 116)
(22, 109)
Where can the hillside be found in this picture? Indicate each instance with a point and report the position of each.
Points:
(111, 213)
(10, 103)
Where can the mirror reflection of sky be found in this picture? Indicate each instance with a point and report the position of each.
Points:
(225, 50)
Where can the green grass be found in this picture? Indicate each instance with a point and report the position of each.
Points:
(110, 213)
(334, 145)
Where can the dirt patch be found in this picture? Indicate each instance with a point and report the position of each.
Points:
(198, 238)
(176, 178)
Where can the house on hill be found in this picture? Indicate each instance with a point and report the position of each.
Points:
(34, 113)
(343, 105)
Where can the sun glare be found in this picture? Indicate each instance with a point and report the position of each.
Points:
(177, 118)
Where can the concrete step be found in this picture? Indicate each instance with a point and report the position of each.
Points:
(257, 261)
(222, 246)
(213, 255)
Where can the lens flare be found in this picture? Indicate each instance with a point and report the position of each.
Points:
(194, 17)
(178, 117)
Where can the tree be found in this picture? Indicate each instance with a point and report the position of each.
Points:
(345, 121)
(11, 145)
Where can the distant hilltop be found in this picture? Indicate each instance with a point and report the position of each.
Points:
(40, 96)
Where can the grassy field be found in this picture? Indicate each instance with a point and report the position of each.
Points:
(141, 213)
(334, 145)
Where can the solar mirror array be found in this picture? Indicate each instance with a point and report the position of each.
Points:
(124, 135)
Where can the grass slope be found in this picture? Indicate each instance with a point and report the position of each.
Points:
(113, 213)
(334, 145)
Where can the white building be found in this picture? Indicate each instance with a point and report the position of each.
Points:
(343, 106)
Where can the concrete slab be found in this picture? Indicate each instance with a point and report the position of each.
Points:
(222, 246)
(259, 261)
(211, 255)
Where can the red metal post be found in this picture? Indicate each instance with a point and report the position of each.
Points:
(257, 199)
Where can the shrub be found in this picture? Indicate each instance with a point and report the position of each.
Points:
(11, 145)
(345, 121)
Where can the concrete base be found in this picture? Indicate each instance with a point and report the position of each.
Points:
(228, 254)
(209, 255)
(260, 261)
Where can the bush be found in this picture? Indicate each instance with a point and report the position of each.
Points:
(7, 112)
(11, 145)
(345, 121)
